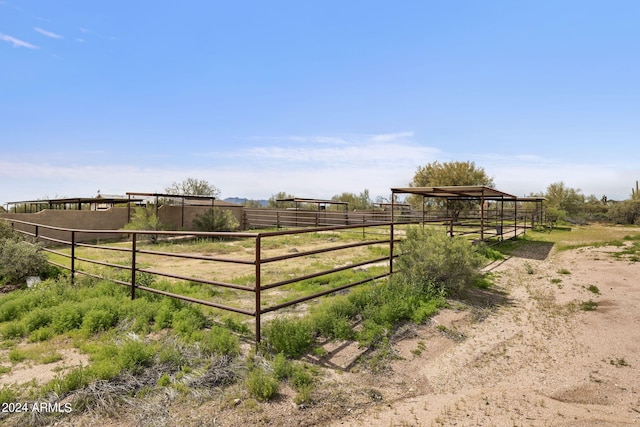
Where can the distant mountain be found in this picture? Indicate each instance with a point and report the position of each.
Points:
(243, 200)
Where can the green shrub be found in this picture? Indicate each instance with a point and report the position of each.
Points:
(164, 380)
(300, 378)
(188, 320)
(172, 356)
(145, 218)
(41, 334)
(67, 317)
(218, 340)
(164, 316)
(216, 219)
(17, 355)
(19, 259)
(98, 320)
(625, 212)
(74, 380)
(429, 257)
(135, 355)
(282, 368)
(36, 319)
(6, 231)
(13, 330)
(426, 310)
(290, 336)
(9, 309)
(331, 321)
(8, 394)
(261, 385)
(371, 333)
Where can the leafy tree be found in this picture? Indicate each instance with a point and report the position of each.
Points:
(450, 173)
(193, 187)
(595, 208)
(273, 200)
(445, 174)
(360, 201)
(254, 204)
(626, 212)
(145, 219)
(564, 200)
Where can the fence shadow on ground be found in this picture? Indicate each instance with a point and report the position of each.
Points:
(533, 250)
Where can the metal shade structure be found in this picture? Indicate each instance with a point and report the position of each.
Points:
(457, 192)
(73, 203)
(470, 193)
(319, 202)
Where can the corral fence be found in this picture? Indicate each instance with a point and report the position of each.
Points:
(255, 261)
(255, 218)
(500, 223)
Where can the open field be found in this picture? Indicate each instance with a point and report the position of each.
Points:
(554, 342)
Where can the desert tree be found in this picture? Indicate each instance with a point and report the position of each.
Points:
(360, 201)
(453, 173)
(193, 187)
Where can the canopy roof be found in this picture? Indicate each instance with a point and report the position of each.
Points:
(69, 200)
(318, 201)
(457, 192)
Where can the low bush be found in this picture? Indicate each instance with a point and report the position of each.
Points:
(135, 355)
(188, 320)
(218, 341)
(36, 319)
(13, 330)
(97, 320)
(261, 385)
(216, 219)
(290, 336)
(67, 316)
(19, 260)
(430, 257)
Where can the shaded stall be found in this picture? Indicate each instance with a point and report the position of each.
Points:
(477, 210)
(159, 199)
(320, 203)
(98, 203)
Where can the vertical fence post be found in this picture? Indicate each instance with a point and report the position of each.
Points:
(73, 256)
(391, 233)
(133, 265)
(257, 290)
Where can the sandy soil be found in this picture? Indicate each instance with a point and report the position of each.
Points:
(537, 359)
(527, 352)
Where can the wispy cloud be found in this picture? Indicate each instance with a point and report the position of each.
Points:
(48, 33)
(17, 42)
(377, 150)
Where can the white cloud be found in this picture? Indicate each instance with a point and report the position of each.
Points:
(380, 151)
(524, 174)
(48, 33)
(305, 170)
(17, 42)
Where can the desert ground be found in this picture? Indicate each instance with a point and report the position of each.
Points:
(540, 357)
(555, 342)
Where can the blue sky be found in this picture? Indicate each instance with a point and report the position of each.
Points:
(316, 98)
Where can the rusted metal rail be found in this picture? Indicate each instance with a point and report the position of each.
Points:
(379, 234)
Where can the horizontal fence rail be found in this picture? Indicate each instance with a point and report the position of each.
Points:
(258, 260)
(134, 259)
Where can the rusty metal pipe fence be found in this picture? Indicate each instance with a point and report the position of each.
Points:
(379, 234)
